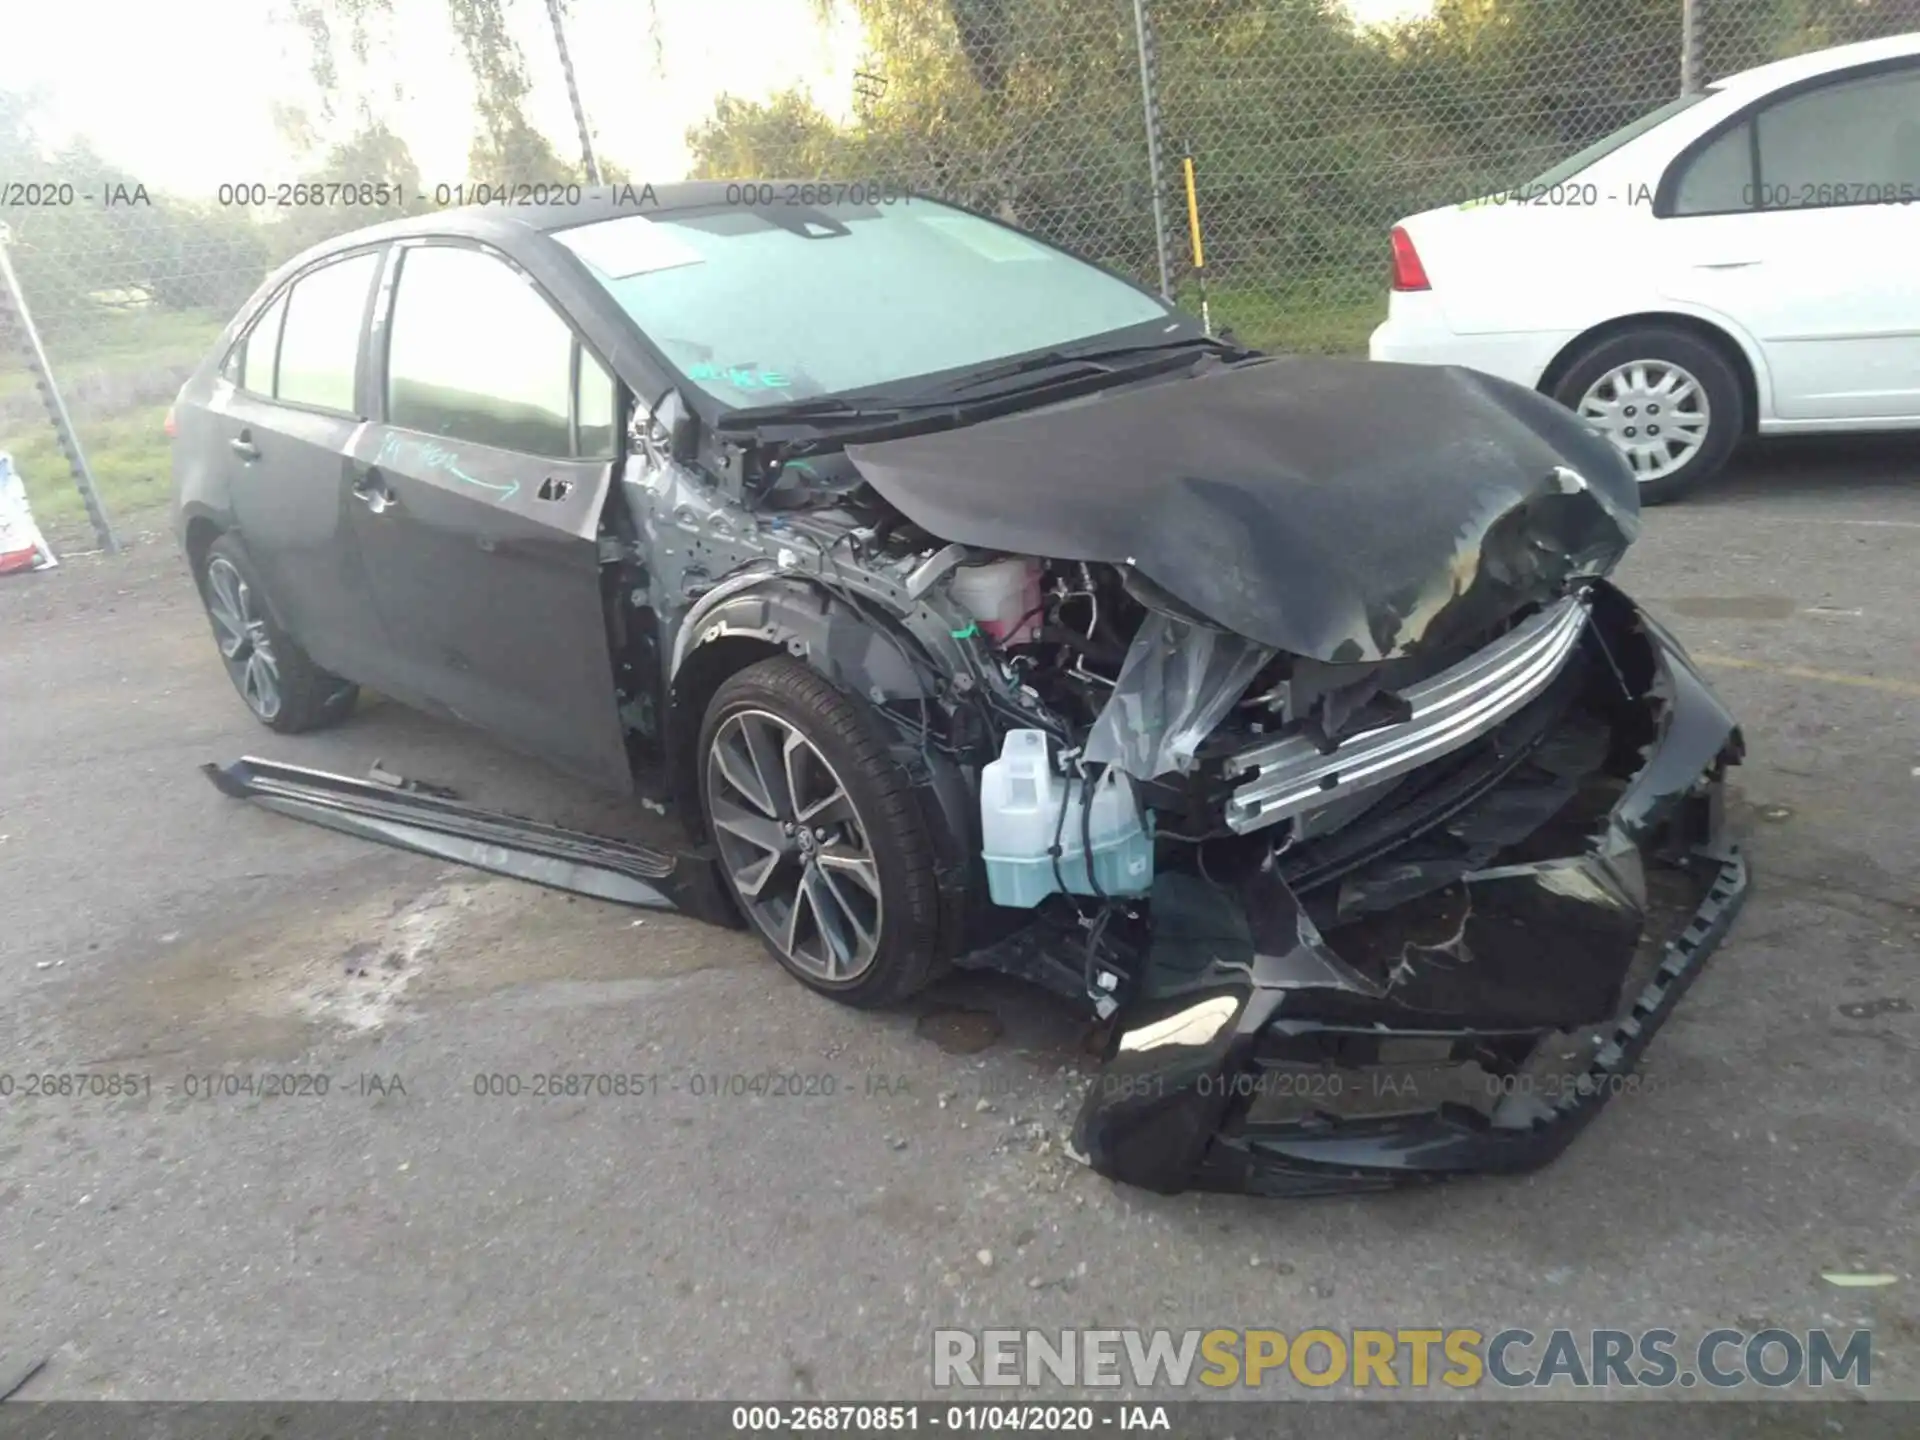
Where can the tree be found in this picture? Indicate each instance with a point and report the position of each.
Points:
(1311, 135)
(507, 148)
(1031, 109)
(372, 156)
(787, 131)
(74, 258)
(1024, 108)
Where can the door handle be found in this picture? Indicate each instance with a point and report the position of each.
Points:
(243, 446)
(1726, 264)
(374, 492)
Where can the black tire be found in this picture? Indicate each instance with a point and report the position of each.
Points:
(1704, 361)
(885, 829)
(307, 697)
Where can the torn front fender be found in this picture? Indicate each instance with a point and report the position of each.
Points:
(804, 620)
(1436, 1017)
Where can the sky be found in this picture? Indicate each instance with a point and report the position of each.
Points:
(187, 107)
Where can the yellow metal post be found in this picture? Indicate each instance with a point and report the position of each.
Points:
(1199, 254)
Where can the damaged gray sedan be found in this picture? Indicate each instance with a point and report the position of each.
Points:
(970, 606)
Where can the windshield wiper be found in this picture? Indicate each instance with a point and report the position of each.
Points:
(1007, 369)
(1155, 347)
(824, 409)
(1071, 361)
(1059, 366)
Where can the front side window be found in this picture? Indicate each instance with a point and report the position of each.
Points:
(320, 337)
(260, 348)
(760, 306)
(598, 410)
(475, 353)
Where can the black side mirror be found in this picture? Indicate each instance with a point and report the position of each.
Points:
(670, 431)
(683, 433)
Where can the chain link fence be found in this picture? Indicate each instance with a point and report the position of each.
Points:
(1308, 127)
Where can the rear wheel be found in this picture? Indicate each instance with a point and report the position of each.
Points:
(278, 681)
(1669, 401)
(818, 834)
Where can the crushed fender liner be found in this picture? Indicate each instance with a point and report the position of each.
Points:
(570, 860)
(1457, 987)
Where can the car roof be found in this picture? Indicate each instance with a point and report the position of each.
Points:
(1777, 73)
(504, 222)
(508, 225)
(604, 202)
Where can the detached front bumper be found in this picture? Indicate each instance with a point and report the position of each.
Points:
(1468, 996)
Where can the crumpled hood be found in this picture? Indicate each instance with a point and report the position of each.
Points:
(1349, 511)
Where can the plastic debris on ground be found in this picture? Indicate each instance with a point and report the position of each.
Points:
(22, 546)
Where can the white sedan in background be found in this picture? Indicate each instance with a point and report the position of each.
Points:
(1744, 259)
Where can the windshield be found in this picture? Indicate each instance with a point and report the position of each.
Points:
(1605, 146)
(770, 305)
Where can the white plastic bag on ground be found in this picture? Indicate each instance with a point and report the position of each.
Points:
(22, 546)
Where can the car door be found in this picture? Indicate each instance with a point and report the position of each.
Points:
(1799, 220)
(288, 408)
(477, 500)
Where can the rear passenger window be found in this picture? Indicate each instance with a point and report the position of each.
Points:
(320, 336)
(1856, 142)
(261, 345)
(475, 353)
(1850, 142)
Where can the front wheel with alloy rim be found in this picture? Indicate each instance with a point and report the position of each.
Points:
(281, 685)
(1669, 401)
(818, 834)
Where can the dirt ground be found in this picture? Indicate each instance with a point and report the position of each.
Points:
(412, 1234)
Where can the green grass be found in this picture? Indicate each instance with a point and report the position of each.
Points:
(114, 339)
(126, 448)
(1326, 316)
(132, 467)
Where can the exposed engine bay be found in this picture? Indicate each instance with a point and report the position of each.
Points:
(1320, 757)
(1461, 820)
